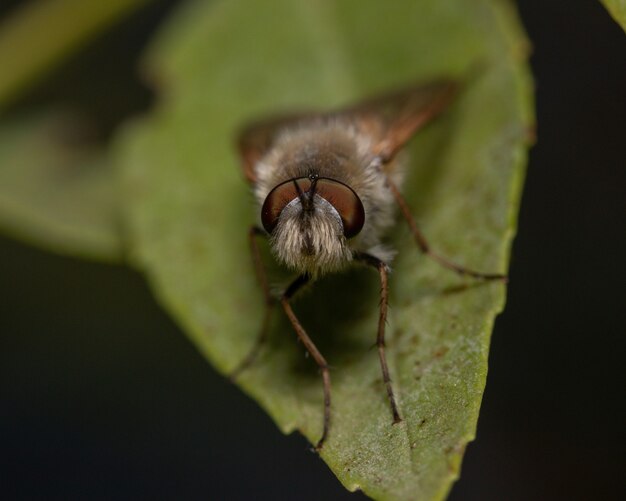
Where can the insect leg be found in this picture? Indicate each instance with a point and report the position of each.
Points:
(425, 246)
(311, 348)
(383, 271)
(261, 276)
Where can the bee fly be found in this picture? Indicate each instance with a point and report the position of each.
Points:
(326, 186)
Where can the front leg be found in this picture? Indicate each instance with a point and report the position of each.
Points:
(295, 286)
(383, 271)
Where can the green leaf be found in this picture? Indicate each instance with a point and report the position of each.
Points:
(617, 8)
(38, 35)
(56, 192)
(223, 63)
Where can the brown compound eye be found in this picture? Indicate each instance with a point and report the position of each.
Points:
(278, 198)
(343, 198)
(346, 202)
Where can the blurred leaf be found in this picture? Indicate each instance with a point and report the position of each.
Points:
(617, 8)
(40, 33)
(223, 63)
(57, 191)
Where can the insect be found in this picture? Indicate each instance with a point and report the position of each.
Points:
(327, 186)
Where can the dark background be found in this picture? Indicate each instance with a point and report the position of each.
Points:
(101, 396)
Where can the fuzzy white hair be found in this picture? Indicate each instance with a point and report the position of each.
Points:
(311, 241)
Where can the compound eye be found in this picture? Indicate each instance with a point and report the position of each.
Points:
(278, 198)
(343, 198)
(346, 202)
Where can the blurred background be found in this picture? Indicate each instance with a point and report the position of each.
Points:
(102, 397)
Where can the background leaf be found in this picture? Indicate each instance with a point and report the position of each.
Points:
(189, 209)
(39, 34)
(617, 8)
(56, 190)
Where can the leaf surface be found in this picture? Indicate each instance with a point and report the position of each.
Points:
(617, 9)
(223, 63)
(57, 191)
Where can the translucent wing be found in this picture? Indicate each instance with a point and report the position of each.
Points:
(394, 118)
(391, 120)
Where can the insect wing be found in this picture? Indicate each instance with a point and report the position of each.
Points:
(393, 119)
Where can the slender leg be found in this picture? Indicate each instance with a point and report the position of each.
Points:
(311, 348)
(425, 247)
(261, 276)
(383, 271)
